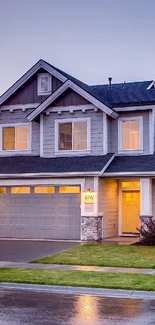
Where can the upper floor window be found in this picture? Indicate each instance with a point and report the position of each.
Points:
(130, 134)
(15, 137)
(44, 84)
(72, 135)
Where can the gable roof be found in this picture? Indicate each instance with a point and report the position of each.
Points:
(119, 95)
(40, 64)
(80, 90)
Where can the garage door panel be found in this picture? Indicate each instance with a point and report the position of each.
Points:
(53, 216)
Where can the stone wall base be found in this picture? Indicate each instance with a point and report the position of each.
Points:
(91, 228)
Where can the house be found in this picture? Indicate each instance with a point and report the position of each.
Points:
(76, 161)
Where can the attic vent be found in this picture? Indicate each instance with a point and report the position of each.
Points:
(152, 85)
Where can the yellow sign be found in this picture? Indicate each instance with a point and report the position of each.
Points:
(89, 199)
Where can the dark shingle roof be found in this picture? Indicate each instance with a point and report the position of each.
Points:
(126, 94)
(120, 94)
(129, 164)
(29, 164)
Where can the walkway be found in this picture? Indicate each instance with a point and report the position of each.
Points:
(75, 268)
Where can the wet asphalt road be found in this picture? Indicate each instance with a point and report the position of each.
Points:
(41, 308)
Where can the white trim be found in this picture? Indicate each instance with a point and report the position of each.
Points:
(80, 91)
(152, 84)
(43, 181)
(8, 152)
(70, 108)
(41, 135)
(22, 107)
(40, 64)
(48, 175)
(105, 134)
(123, 119)
(107, 164)
(146, 196)
(96, 190)
(138, 174)
(151, 131)
(134, 108)
(120, 221)
(40, 92)
(72, 120)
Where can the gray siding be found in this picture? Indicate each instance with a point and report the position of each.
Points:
(28, 92)
(70, 97)
(113, 130)
(96, 131)
(18, 116)
(108, 206)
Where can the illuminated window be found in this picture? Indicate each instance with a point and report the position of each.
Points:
(20, 190)
(2, 190)
(73, 135)
(15, 138)
(69, 189)
(132, 184)
(44, 190)
(130, 133)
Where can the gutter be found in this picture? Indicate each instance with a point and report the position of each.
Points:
(47, 175)
(118, 174)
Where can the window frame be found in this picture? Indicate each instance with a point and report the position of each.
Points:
(40, 92)
(120, 133)
(11, 125)
(72, 120)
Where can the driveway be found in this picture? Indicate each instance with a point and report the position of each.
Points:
(43, 308)
(28, 250)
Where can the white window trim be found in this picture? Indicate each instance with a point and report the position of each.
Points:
(39, 90)
(72, 152)
(127, 151)
(15, 125)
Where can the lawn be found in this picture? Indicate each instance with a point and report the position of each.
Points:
(105, 255)
(79, 278)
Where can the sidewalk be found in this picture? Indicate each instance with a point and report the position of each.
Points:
(107, 293)
(22, 265)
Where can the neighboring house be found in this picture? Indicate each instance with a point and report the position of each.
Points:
(76, 161)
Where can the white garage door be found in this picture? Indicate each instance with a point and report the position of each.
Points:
(40, 212)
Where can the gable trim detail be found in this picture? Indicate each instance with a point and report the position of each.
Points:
(80, 91)
(40, 64)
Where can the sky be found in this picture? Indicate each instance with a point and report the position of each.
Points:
(90, 39)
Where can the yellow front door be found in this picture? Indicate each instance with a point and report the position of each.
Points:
(130, 211)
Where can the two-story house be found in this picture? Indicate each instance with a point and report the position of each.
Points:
(76, 161)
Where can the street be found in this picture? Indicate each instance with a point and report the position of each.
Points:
(42, 308)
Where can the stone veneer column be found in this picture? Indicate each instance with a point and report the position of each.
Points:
(91, 228)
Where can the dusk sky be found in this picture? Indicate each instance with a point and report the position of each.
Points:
(90, 39)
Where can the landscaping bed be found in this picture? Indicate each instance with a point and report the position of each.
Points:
(79, 279)
(105, 255)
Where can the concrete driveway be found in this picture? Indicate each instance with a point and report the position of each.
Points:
(28, 250)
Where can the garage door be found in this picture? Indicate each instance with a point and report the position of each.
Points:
(40, 212)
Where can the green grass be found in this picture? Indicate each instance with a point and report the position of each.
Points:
(105, 255)
(79, 278)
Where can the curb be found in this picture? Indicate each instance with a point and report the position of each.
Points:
(108, 293)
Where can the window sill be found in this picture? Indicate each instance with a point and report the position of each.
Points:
(130, 152)
(15, 152)
(72, 152)
(45, 94)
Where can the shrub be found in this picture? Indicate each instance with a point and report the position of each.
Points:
(147, 232)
